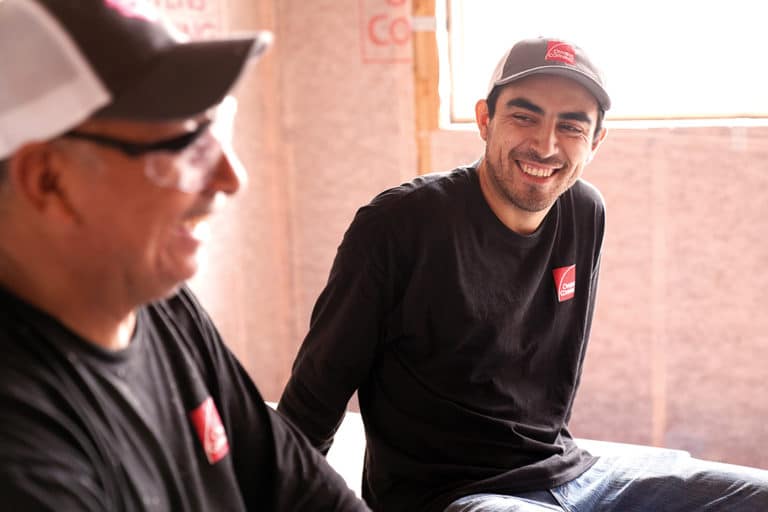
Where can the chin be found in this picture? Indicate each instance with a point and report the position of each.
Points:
(162, 292)
(170, 283)
(179, 269)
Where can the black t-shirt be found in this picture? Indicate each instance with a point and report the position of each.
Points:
(172, 422)
(464, 339)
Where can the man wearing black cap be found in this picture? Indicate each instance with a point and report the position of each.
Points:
(459, 307)
(116, 392)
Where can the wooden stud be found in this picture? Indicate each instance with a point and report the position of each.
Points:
(425, 75)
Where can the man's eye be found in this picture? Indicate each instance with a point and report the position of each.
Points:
(522, 118)
(571, 128)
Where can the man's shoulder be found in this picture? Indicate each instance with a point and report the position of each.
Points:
(585, 206)
(30, 341)
(433, 185)
(412, 206)
(182, 304)
(425, 194)
(181, 321)
(37, 375)
(584, 192)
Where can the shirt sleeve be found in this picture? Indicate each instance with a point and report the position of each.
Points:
(276, 467)
(41, 467)
(344, 335)
(32, 487)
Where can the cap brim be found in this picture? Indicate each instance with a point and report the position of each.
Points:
(588, 83)
(187, 79)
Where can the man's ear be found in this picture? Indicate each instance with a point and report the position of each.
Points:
(596, 142)
(482, 118)
(28, 172)
(35, 171)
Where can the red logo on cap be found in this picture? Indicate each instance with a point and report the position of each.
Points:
(565, 282)
(560, 52)
(210, 430)
(133, 9)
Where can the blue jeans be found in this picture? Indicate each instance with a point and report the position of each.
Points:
(657, 481)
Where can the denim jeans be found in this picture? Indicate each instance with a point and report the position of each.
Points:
(657, 481)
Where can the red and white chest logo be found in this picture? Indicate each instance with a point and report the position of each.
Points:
(565, 282)
(210, 430)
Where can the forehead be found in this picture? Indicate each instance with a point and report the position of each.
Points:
(552, 93)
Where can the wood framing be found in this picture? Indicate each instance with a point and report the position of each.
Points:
(425, 75)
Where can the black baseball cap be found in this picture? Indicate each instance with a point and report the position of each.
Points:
(550, 56)
(64, 61)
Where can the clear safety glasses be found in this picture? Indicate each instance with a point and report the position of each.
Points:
(186, 162)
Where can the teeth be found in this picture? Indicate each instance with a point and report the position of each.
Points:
(200, 228)
(193, 224)
(539, 172)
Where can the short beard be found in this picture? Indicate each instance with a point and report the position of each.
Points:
(522, 203)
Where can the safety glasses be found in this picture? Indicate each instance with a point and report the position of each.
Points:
(133, 149)
(186, 162)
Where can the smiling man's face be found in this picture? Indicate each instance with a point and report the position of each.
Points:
(539, 140)
(128, 227)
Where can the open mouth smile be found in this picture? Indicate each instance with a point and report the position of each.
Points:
(537, 171)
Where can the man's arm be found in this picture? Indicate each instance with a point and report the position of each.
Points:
(308, 483)
(42, 465)
(276, 467)
(345, 333)
(38, 488)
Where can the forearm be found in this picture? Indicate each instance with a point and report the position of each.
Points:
(307, 482)
(317, 419)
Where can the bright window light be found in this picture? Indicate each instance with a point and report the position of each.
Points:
(663, 59)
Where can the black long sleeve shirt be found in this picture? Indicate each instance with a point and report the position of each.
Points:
(464, 339)
(172, 422)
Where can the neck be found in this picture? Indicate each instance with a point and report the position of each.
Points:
(516, 219)
(89, 311)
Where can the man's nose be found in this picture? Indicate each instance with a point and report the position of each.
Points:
(545, 139)
(229, 175)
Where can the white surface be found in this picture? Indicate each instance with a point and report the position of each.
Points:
(348, 450)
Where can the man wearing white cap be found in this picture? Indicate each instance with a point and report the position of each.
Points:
(459, 307)
(116, 392)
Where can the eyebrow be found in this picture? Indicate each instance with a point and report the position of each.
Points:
(529, 105)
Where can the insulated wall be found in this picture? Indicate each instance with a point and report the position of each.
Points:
(679, 343)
